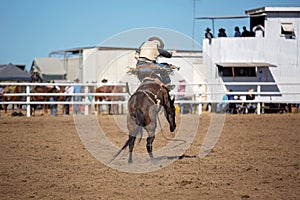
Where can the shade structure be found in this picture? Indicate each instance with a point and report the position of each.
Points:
(11, 72)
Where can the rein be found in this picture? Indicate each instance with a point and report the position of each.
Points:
(147, 92)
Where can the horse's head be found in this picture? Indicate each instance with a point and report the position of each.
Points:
(169, 108)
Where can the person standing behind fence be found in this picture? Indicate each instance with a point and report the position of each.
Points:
(1, 96)
(53, 107)
(68, 90)
(181, 96)
(251, 107)
(77, 89)
(222, 107)
(35, 77)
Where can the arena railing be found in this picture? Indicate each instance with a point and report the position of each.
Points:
(196, 94)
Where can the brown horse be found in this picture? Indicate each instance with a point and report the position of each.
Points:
(112, 108)
(41, 89)
(143, 108)
(12, 89)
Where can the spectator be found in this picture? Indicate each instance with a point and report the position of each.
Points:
(240, 106)
(68, 90)
(1, 96)
(223, 106)
(232, 106)
(53, 107)
(258, 30)
(237, 32)
(181, 89)
(242, 72)
(77, 89)
(35, 77)
(250, 106)
(245, 32)
(222, 33)
(208, 35)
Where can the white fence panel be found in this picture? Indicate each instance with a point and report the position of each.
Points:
(195, 94)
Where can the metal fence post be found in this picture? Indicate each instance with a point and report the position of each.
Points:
(199, 108)
(86, 100)
(258, 95)
(28, 107)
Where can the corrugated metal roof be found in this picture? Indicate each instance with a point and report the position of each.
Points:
(245, 64)
(80, 49)
(272, 9)
(50, 66)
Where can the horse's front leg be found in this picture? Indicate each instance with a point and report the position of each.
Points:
(150, 140)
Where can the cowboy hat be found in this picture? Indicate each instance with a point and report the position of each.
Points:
(104, 80)
(158, 41)
(207, 29)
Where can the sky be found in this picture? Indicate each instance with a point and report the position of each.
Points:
(34, 28)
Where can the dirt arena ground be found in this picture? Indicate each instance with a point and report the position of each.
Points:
(256, 157)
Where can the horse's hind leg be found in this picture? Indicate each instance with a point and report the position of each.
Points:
(131, 145)
(150, 140)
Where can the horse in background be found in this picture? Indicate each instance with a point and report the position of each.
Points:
(42, 89)
(143, 108)
(11, 89)
(112, 108)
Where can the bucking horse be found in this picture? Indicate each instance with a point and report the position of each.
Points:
(143, 108)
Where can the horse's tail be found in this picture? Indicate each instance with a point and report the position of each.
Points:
(139, 117)
(137, 130)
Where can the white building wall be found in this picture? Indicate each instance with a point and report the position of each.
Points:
(273, 48)
(113, 65)
(89, 71)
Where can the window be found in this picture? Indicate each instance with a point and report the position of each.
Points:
(287, 30)
(237, 71)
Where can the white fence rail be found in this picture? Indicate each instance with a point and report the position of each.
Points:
(196, 94)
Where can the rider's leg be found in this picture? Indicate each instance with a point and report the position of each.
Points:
(165, 78)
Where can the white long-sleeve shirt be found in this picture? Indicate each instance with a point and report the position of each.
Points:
(69, 90)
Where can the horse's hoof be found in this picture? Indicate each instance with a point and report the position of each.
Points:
(130, 161)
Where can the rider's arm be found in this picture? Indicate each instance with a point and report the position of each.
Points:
(164, 53)
(139, 49)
